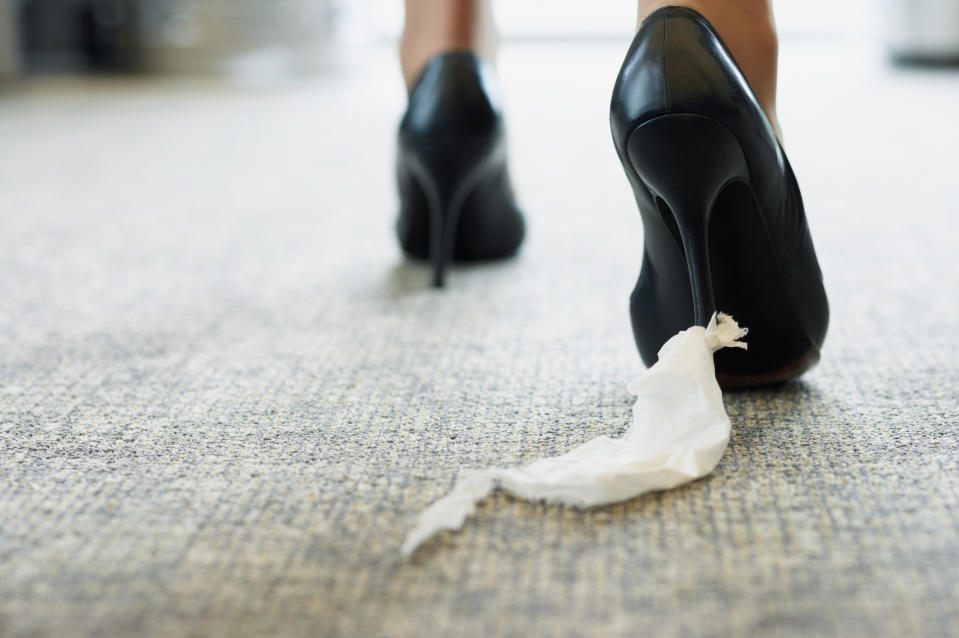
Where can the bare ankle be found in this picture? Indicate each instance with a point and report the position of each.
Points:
(437, 26)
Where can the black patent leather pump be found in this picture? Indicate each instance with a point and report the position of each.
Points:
(723, 219)
(456, 200)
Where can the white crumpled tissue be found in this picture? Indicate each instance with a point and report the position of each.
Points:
(679, 432)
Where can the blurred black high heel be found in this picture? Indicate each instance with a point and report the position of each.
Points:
(723, 219)
(456, 200)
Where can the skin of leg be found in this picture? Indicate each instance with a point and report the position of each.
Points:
(749, 30)
(746, 26)
(437, 26)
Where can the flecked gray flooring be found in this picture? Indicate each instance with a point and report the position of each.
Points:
(224, 397)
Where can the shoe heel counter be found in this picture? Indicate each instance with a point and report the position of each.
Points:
(698, 66)
(639, 92)
(453, 125)
(456, 96)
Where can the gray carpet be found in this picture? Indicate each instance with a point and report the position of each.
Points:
(224, 397)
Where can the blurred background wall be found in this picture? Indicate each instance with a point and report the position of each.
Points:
(255, 36)
(283, 36)
(9, 46)
(161, 35)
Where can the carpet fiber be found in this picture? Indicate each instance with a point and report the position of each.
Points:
(225, 397)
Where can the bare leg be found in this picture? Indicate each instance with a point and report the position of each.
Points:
(436, 26)
(749, 30)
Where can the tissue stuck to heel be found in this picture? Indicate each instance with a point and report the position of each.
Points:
(724, 332)
(678, 434)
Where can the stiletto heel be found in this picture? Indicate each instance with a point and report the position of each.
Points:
(444, 208)
(456, 199)
(724, 225)
(440, 244)
(685, 161)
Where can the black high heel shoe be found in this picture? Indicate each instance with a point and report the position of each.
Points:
(456, 200)
(723, 218)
